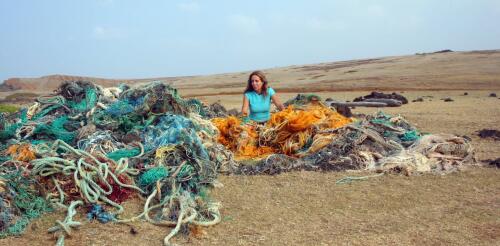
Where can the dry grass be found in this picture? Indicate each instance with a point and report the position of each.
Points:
(308, 208)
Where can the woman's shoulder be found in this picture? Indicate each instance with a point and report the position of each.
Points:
(250, 95)
(270, 91)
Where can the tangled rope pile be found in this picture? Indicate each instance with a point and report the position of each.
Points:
(98, 147)
(295, 131)
(308, 135)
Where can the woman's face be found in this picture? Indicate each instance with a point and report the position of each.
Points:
(256, 83)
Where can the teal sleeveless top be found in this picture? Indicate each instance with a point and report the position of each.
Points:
(260, 106)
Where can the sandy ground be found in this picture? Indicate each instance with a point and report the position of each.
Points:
(309, 208)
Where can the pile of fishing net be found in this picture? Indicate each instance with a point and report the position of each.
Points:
(311, 136)
(94, 147)
(90, 146)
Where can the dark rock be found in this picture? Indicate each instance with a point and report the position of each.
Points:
(380, 95)
(493, 94)
(448, 99)
(387, 102)
(443, 51)
(493, 163)
(343, 110)
(435, 52)
(489, 133)
(418, 100)
(466, 93)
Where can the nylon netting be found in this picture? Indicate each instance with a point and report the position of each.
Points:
(99, 147)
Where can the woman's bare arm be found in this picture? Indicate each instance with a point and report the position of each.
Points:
(245, 107)
(277, 102)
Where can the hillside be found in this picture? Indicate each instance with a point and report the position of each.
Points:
(427, 71)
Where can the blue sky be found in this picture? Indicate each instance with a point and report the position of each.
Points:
(156, 38)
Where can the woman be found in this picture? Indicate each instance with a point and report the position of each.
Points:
(258, 97)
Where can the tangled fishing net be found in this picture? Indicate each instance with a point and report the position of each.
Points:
(311, 136)
(85, 145)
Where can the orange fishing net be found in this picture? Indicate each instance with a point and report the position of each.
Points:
(241, 139)
(293, 131)
(21, 152)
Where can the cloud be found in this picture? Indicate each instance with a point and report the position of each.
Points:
(191, 7)
(317, 24)
(245, 24)
(107, 33)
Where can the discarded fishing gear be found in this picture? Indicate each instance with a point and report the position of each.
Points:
(293, 131)
(85, 144)
(20, 200)
(379, 142)
(97, 212)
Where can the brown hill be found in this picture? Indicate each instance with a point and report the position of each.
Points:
(429, 71)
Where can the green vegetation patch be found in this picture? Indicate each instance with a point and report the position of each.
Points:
(21, 96)
(7, 108)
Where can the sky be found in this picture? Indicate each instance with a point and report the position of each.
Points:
(158, 38)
